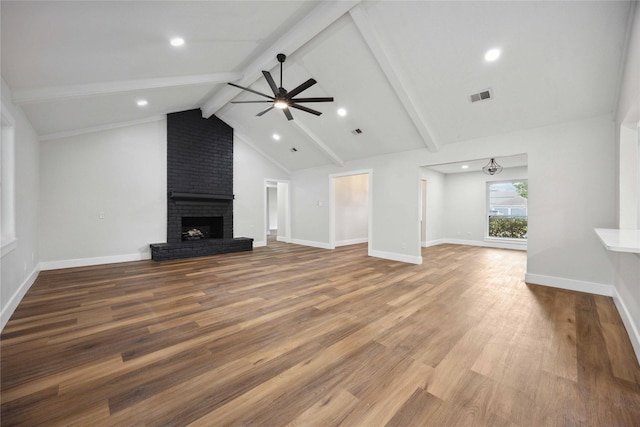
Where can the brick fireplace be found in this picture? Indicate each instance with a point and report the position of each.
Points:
(199, 189)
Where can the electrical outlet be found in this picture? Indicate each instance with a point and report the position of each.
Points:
(100, 215)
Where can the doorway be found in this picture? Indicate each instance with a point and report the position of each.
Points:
(423, 212)
(350, 208)
(277, 211)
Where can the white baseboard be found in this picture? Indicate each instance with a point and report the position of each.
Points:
(632, 330)
(351, 241)
(487, 244)
(283, 239)
(570, 284)
(259, 244)
(428, 244)
(396, 257)
(321, 245)
(15, 299)
(84, 262)
(597, 289)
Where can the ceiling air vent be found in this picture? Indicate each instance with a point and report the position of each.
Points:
(481, 96)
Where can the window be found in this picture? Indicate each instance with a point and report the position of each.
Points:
(7, 208)
(507, 209)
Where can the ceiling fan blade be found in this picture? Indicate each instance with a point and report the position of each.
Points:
(249, 102)
(308, 110)
(272, 84)
(264, 111)
(287, 113)
(325, 99)
(250, 90)
(304, 86)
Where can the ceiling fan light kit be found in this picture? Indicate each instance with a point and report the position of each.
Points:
(283, 99)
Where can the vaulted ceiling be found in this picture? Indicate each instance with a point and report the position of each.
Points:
(403, 71)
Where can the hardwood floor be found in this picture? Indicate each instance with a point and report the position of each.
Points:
(288, 335)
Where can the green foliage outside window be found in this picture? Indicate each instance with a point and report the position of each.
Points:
(522, 188)
(507, 227)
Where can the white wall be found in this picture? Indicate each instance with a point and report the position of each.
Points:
(351, 205)
(19, 268)
(567, 198)
(120, 173)
(284, 234)
(434, 212)
(627, 266)
(465, 203)
(272, 202)
(250, 169)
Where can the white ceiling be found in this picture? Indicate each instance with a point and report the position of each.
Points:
(403, 70)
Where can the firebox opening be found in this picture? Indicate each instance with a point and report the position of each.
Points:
(202, 227)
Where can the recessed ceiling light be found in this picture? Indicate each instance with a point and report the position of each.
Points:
(276, 137)
(492, 54)
(465, 166)
(342, 112)
(177, 41)
(142, 102)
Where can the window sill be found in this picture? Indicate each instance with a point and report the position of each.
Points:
(506, 240)
(9, 246)
(617, 240)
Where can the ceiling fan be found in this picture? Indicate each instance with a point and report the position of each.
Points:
(282, 99)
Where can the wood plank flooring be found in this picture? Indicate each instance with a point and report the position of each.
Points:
(288, 335)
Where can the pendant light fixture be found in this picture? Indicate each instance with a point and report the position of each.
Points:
(492, 168)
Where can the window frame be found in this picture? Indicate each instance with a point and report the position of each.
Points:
(489, 238)
(8, 239)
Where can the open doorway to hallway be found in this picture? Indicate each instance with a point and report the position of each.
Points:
(277, 211)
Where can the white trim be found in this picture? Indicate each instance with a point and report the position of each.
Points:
(312, 24)
(259, 244)
(393, 256)
(321, 245)
(8, 178)
(9, 246)
(26, 96)
(372, 37)
(351, 241)
(318, 142)
(632, 330)
(12, 304)
(100, 128)
(430, 243)
(245, 139)
(267, 182)
(570, 284)
(332, 201)
(624, 58)
(85, 262)
(488, 244)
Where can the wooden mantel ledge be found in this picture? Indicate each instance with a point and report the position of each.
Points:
(199, 196)
(620, 240)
